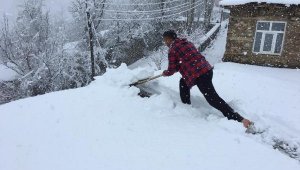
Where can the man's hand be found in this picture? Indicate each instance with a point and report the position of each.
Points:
(246, 123)
(165, 73)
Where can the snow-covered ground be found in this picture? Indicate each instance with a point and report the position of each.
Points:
(215, 53)
(107, 126)
(6, 74)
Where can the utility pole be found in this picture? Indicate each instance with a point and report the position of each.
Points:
(162, 6)
(91, 39)
(205, 24)
(209, 4)
(191, 16)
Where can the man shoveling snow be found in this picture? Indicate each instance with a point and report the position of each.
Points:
(195, 70)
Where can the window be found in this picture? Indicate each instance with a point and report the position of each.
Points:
(269, 37)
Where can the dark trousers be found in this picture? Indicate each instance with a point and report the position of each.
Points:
(206, 87)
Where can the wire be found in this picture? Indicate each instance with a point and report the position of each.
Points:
(141, 19)
(152, 11)
(148, 19)
(154, 3)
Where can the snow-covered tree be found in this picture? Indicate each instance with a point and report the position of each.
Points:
(36, 49)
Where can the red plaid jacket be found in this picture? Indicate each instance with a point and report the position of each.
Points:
(185, 58)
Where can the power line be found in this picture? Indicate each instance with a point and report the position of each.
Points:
(154, 18)
(154, 3)
(152, 11)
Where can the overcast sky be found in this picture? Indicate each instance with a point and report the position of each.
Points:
(10, 7)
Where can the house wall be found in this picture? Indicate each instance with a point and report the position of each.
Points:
(242, 27)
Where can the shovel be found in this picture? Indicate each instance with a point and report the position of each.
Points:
(145, 80)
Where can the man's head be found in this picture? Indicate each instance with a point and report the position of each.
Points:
(169, 37)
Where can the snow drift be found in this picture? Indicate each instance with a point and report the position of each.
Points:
(107, 126)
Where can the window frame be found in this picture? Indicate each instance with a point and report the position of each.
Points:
(274, 33)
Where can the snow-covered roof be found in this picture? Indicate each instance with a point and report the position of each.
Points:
(241, 2)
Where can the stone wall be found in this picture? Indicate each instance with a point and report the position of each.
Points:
(242, 29)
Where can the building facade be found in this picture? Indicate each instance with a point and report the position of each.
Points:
(265, 34)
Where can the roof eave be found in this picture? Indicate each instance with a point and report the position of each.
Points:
(259, 3)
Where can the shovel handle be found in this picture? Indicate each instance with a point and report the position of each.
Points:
(146, 80)
(155, 77)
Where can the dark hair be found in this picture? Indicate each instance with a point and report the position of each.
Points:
(170, 33)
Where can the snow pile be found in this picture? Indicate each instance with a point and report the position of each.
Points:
(241, 2)
(127, 76)
(6, 74)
